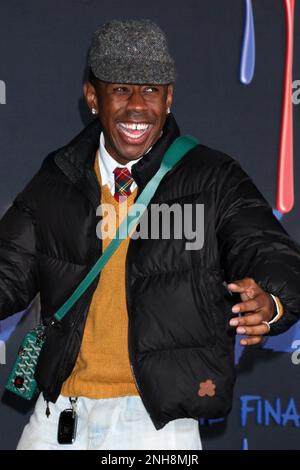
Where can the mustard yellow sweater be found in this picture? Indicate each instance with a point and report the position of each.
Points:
(102, 369)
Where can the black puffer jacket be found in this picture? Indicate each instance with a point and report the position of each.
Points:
(178, 308)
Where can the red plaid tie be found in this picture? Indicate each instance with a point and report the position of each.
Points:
(123, 180)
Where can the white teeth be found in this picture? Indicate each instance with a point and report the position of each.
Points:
(127, 127)
(142, 126)
(133, 136)
(134, 126)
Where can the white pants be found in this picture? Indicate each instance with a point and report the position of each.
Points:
(108, 424)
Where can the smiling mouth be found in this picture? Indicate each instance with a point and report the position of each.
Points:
(134, 132)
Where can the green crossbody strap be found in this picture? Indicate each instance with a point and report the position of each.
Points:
(175, 152)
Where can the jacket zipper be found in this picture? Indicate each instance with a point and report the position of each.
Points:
(93, 179)
(60, 369)
(74, 326)
(129, 335)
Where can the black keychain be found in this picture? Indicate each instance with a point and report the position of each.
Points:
(67, 424)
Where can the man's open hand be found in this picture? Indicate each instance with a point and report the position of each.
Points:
(256, 306)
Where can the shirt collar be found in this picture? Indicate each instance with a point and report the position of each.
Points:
(107, 164)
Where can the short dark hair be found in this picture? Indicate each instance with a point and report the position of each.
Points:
(92, 78)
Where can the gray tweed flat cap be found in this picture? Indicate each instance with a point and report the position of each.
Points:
(133, 51)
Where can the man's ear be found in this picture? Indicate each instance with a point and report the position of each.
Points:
(90, 95)
(170, 91)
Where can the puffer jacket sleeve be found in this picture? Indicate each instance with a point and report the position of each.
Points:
(253, 243)
(18, 266)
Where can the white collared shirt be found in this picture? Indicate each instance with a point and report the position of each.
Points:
(107, 164)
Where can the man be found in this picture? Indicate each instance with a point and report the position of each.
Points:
(148, 348)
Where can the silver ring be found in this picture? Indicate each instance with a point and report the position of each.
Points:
(269, 328)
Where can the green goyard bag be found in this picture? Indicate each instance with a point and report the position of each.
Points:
(21, 380)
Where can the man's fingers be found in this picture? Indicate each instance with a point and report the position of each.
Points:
(247, 306)
(245, 286)
(241, 284)
(237, 286)
(250, 319)
(255, 308)
(251, 341)
(253, 330)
